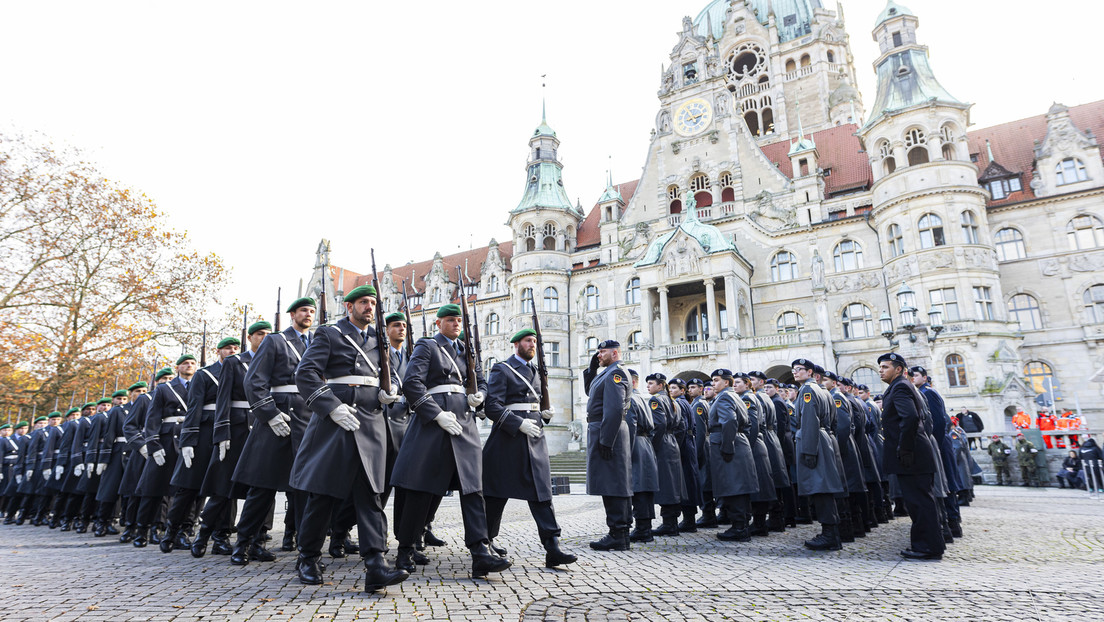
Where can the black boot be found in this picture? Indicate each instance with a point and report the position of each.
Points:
(156, 534)
(220, 543)
(688, 523)
(844, 529)
(643, 532)
(405, 559)
(289, 541)
(351, 548)
(337, 544)
(168, 543)
(240, 555)
(109, 528)
(420, 558)
(483, 562)
(615, 540)
(899, 509)
(956, 527)
(554, 555)
(432, 540)
(199, 545)
(668, 528)
(497, 550)
(82, 526)
(708, 519)
(759, 525)
(181, 540)
(776, 522)
(309, 570)
(378, 575)
(127, 535)
(827, 540)
(735, 534)
(141, 536)
(99, 530)
(67, 525)
(258, 553)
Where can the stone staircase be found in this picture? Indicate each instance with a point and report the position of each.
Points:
(571, 464)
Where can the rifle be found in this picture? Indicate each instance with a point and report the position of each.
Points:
(471, 384)
(202, 349)
(383, 343)
(245, 320)
(542, 370)
(322, 302)
(409, 328)
(425, 327)
(475, 324)
(279, 290)
(72, 398)
(116, 383)
(103, 392)
(56, 400)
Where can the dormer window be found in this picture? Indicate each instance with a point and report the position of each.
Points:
(1071, 171)
(896, 35)
(1001, 188)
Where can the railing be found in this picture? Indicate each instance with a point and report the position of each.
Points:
(705, 213)
(752, 89)
(965, 326)
(781, 340)
(836, 68)
(726, 209)
(797, 73)
(690, 348)
(674, 220)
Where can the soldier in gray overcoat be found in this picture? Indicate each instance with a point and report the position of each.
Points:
(672, 486)
(609, 456)
(731, 459)
(779, 471)
(818, 468)
(645, 472)
(761, 500)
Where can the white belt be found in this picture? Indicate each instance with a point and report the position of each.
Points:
(367, 381)
(120, 439)
(208, 407)
(446, 388)
(173, 420)
(236, 404)
(285, 388)
(527, 407)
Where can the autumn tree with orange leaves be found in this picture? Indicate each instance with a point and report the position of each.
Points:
(92, 279)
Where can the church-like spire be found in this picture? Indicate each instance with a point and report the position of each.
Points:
(544, 187)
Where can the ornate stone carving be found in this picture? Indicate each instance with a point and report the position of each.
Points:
(817, 270)
(979, 258)
(1050, 267)
(771, 215)
(684, 259)
(594, 319)
(626, 315)
(1086, 263)
(663, 122)
(902, 269)
(936, 261)
(633, 246)
(854, 282)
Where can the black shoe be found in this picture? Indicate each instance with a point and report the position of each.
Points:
(707, 521)
(758, 526)
(99, 530)
(309, 571)
(554, 556)
(948, 537)
(240, 554)
(82, 527)
(181, 541)
(900, 510)
(690, 526)
(288, 543)
(666, 529)
(337, 546)
(432, 540)
(776, 523)
(351, 548)
(266, 537)
(827, 540)
(378, 575)
(67, 525)
(497, 550)
(155, 535)
(612, 542)
(733, 534)
(258, 553)
(110, 529)
(127, 535)
(845, 532)
(911, 554)
(405, 560)
(791, 521)
(141, 537)
(221, 547)
(420, 558)
(642, 533)
(199, 545)
(956, 528)
(9, 520)
(484, 562)
(168, 543)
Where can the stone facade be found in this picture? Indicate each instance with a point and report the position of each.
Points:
(771, 221)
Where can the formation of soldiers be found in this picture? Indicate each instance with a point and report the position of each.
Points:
(762, 456)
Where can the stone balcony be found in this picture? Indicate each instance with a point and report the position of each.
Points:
(782, 340)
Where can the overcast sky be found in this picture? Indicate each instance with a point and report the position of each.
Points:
(262, 127)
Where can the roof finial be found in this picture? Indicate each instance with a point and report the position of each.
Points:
(543, 84)
(609, 173)
(989, 149)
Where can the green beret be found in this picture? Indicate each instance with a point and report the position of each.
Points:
(103, 400)
(41, 418)
(119, 393)
(256, 326)
(360, 292)
(161, 373)
(21, 424)
(305, 301)
(185, 357)
(522, 334)
(449, 310)
(88, 405)
(5, 426)
(397, 316)
(71, 411)
(53, 414)
(228, 341)
(138, 385)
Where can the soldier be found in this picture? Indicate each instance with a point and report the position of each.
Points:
(910, 456)
(731, 459)
(134, 426)
(1025, 452)
(93, 471)
(68, 465)
(164, 417)
(55, 459)
(762, 499)
(280, 418)
(515, 456)
(819, 474)
(999, 453)
(645, 472)
(870, 473)
(851, 524)
(941, 431)
(688, 455)
(883, 506)
(339, 374)
(29, 474)
(779, 473)
(447, 456)
(229, 436)
(112, 453)
(699, 409)
(609, 457)
(668, 422)
(782, 412)
(10, 446)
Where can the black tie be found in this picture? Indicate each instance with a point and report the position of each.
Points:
(306, 340)
(363, 337)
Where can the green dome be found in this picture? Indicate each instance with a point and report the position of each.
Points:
(713, 15)
(892, 10)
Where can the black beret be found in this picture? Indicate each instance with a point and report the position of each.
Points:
(894, 358)
(863, 387)
(918, 370)
(658, 377)
(757, 374)
(772, 381)
(722, 372)
(305, 301)
(695, 382)
(806, 363)
(609, 344)
(678, 382)
(878, 397)
(741, 375)
(847, 382)
(831, 375)
(634, 374)
(817, 369)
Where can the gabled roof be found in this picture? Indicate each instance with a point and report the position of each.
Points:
(994, 171)
(474, 258)
(588, 234)
(838, 149)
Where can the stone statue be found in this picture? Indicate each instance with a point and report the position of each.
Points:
(817, 270)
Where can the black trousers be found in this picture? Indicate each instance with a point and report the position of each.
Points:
(255, 512)
(130, 510)
(789, 502)
(618, 512)
(643, 507)
(416, 511)
(182, 508)
(543, 514)
(218, 513)
(151, 510)
(950, 505)
(670, 513)
(318, 514)
(106, 511)
(738, 507)
(825, 506)
(927, 533)
(857, 501)
(292, 512)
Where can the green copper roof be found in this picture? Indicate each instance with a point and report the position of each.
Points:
(799, 12)
(611, 193)
(708, 237)
(892, 10)
(543, 129)
(544, 188)
(905, 79)
(805, 143)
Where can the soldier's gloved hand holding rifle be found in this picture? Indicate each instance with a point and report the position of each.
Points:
(389, 398)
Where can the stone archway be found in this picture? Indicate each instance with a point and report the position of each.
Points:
(781, 373)
(1009, 412)
(693, 373)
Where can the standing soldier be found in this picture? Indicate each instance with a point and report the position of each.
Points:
(730, 456)
(609, 459)
(850, 511)
(645, 472)
(699, 409)
(339, 374)
(515, 456)
(688, 455)
(782, 412)
(999, 452)
(134, 430)
(94, 469)
(765, 495)
(113, 454)
(818, 471)
(778, 470)
(871, 475)
(1025, 452)
(668, 422)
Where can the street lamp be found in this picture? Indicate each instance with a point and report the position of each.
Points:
(887, 328)
(935, 321)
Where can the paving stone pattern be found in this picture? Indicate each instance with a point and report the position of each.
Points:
(1028, 554)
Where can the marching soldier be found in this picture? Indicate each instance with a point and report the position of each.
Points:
(134, 426)
(779, 473)
(515, 456)
(731, 460)
(93, 471)
(668, 422)
(609, 458)
(29, 475)
(645, 471)
(53, 469)
(762, 499)
(13, 445)
(688, 455)
(66, 457)
(113, 453)
(818, 469)
(999, 452)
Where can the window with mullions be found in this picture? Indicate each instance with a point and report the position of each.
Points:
(783, 266)
(931, 231)
(1010, 244)
(1024, 310)
(858, 321)
(847, 256)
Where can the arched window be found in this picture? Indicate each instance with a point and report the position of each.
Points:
(492, 323)
(1041, 378)
(697, 323)
(551, 300)
(1094, 304)
(635, 340)
(549, 236)
(1071, 171)
(674, 199)
(969, 227)
(848, 256)
(806, 60)
(790, 65)
(858, 322)
(752, 120)
(435, 298)
(885, 152)
(783, 266)
(1010, 244)
(947, 134)
(530, 244)
(1024, 310)
(896, 241)
(868, 376)
(492, 284)
(931, 231)
(591, 298)
(632, 291)
(1085, 231)
(699, 187)
(790, 322)
(728, 194)
(530, 233)
(591, 344)
(956, 370)
(768, 121)
(831, 56)
(527, 300)
(916, 146)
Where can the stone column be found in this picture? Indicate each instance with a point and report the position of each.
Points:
(646, 315)
(730, 304)
(664, 320)
(711, 311)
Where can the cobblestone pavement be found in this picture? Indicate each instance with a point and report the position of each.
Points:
(1028, 554)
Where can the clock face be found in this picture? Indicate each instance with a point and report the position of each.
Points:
(693, 116)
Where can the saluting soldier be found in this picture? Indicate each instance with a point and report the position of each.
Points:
(668, 422)
(768, 430)
(609, 459)
(645, 472)
(688, 455)
(134, 426)
(113, 453)
(818, 470)
(731, 459)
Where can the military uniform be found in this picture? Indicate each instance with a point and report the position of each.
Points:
(819, 472)
(10, 448)
(1025, 452)
(609, 458)
(164, 418)
(776, 460)
(196, 432)
(850, 510)
(645, 472)
(999, 453)
(90, 480)
(782, 412)
(732, 460)
(134, 430)
(113, 452)
(672, 486)
(762, 500)
(688, 455)
(700, 411)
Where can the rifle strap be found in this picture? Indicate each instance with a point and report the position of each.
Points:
(362, 353)
(527, 383)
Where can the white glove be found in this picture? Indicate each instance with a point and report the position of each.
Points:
(224, 448)
(448, 422)
(58, 472)
(529, 428)
(46, 473)
(159, 457)
(100, 468)
(389, 398)
(1034, 451)
(19, 480)
(28, 475)
(547, 414)
(78, 470)
(188, 454)
(345, 417)
(476, 399)
(145, 452)
(279, 424)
